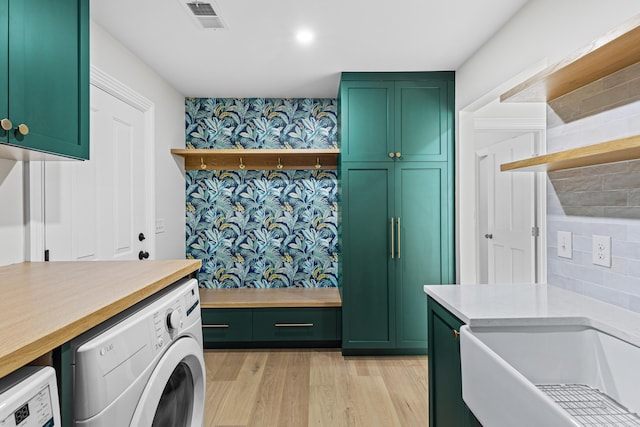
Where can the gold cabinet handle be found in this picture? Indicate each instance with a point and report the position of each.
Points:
(398, 154)
(455, 334)
(393, 240)
(6, 124)
(22, 129)
(218, 326)
(398, 237)
(391, 155)
(294, 325)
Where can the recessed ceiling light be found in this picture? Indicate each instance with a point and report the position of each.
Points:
(304, 36)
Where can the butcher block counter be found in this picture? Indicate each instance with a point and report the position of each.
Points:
(45, 304)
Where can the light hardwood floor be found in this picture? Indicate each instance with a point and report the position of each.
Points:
(314, 387)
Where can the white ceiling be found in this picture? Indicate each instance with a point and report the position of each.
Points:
(257, 54)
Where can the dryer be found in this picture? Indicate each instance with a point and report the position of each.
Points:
(145, 367)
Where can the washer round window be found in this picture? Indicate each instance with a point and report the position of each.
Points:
(176, 403)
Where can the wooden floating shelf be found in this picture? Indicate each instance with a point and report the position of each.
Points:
(258, 159)
(616, 50)
(606, 152)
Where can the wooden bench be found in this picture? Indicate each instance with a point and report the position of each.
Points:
(280, 317)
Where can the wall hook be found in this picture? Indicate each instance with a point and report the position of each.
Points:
(318, 165)
(279, 164)
(203, 165)
(241, 165)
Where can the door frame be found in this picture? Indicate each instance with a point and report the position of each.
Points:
(35, 237)
(508, 126)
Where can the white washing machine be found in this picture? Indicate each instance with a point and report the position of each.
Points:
(145, 367)
(29, 398)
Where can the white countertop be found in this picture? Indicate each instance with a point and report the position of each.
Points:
(487, 305)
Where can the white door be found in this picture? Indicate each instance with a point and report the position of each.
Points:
(511, 232)
(96, 209)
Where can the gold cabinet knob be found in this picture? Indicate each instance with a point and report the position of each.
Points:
(23, 129)
(455, 334)
(6, 124)
(391, 155)
(398, 154)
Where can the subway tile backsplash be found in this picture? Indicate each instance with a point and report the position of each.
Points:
(596, 200)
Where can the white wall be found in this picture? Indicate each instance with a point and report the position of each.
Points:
(11, 212)
(542, 32)
(113, 58)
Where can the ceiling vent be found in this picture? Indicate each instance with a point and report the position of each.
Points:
(204, 14)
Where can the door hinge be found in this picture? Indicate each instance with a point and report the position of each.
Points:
(535, 231)
(46, 254)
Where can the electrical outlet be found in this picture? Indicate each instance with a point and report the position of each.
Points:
(602, 250)
(565, 244)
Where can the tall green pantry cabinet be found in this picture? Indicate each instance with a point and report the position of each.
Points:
(396, 216)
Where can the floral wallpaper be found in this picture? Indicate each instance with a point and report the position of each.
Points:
(267, 229)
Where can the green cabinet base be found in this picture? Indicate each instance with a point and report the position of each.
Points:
(446, 407)
(271, 327)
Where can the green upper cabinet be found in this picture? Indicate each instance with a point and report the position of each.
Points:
(366, 133)
(422, 120)
(407, 118)
(46, 75)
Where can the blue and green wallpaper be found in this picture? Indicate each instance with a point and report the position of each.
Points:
(265, 229)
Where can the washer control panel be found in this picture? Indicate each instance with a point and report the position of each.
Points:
(29, 399)
(176, 315)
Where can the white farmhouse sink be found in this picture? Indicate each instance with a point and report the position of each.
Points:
(502, 367)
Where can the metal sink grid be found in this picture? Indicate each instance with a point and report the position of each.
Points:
(589, 406)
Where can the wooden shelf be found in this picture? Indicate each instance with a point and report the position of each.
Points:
(614, 51)
(606, 152)
(258, 159)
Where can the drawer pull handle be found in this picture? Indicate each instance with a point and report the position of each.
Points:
(455, 334)
(219, 326)
(294, 325)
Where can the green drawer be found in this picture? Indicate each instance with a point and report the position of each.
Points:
(295, 324)
(226, 324)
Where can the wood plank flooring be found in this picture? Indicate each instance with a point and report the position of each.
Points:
(314, 387)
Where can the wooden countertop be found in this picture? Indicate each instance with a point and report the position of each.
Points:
(45, 304)
(272, 297)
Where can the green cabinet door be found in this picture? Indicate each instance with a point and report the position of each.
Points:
(424, 251)
(366, 128)
(446, 407)
(4, 70)
(367, 208)
(422, 120)
(49, 75)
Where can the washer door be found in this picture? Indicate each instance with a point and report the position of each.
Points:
(174, 395)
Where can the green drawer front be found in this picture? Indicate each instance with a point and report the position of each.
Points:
(226, 324)
(295, 324)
